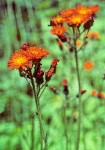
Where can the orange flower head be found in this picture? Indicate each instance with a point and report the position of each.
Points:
(88, 66)
(90, 10)
(93, 35)
(94, 93)
(78, 43)
(67, 13)
(19, 60)
(58, 30)
(36, 52)
(57, 20)
(94, 8)
(83, 10)
(76, 20)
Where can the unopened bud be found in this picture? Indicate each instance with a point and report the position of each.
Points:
(65, 86)
(82, 92)
(89, 23)
(25, 46)
(53, 89)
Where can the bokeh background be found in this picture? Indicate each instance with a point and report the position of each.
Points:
(24, 21)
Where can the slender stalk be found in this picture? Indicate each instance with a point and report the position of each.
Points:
(79, 87)
(40, 123)
(85, 37)
(32, 133)
(46, 138)
(65, 127)
(38, 111)
(43, 88)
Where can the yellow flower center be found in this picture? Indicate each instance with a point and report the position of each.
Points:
(20, 60)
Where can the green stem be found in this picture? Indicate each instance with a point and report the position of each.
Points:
(65, 127)
(46, 138)
(79, 87)
(85, 37)
(38, 111)
(40, 123)
(32, 133)
(42, 89)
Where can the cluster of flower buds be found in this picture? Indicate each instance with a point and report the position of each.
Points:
(65, 86)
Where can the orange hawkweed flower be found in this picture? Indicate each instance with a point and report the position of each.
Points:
(57, 20)
(78, 43)
(58, 30)
(89, 10)
(83, 10)
(94, 93)
(67, 13)
(36, 52)
(93, 35)
(19, 60)
(88, 66)
(76, 20)
(94, 8)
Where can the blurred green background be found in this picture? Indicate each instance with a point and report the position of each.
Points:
(24, 21)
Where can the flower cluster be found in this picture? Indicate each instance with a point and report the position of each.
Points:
(25, 57)
(73, 17)
(28, 61)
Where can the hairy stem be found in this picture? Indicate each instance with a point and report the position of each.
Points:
(40, 123)
(32, 133)
(79, 88)
(38, 111)
(65, 126)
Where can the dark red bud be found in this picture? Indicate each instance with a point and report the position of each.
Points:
(25, 46)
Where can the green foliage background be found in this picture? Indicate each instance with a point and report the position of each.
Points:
(22, 21)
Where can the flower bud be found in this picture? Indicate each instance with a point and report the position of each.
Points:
(25, 46)
(82, 92)
(65, 86)
(52, 69)
(89, 23)
(53, 89)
